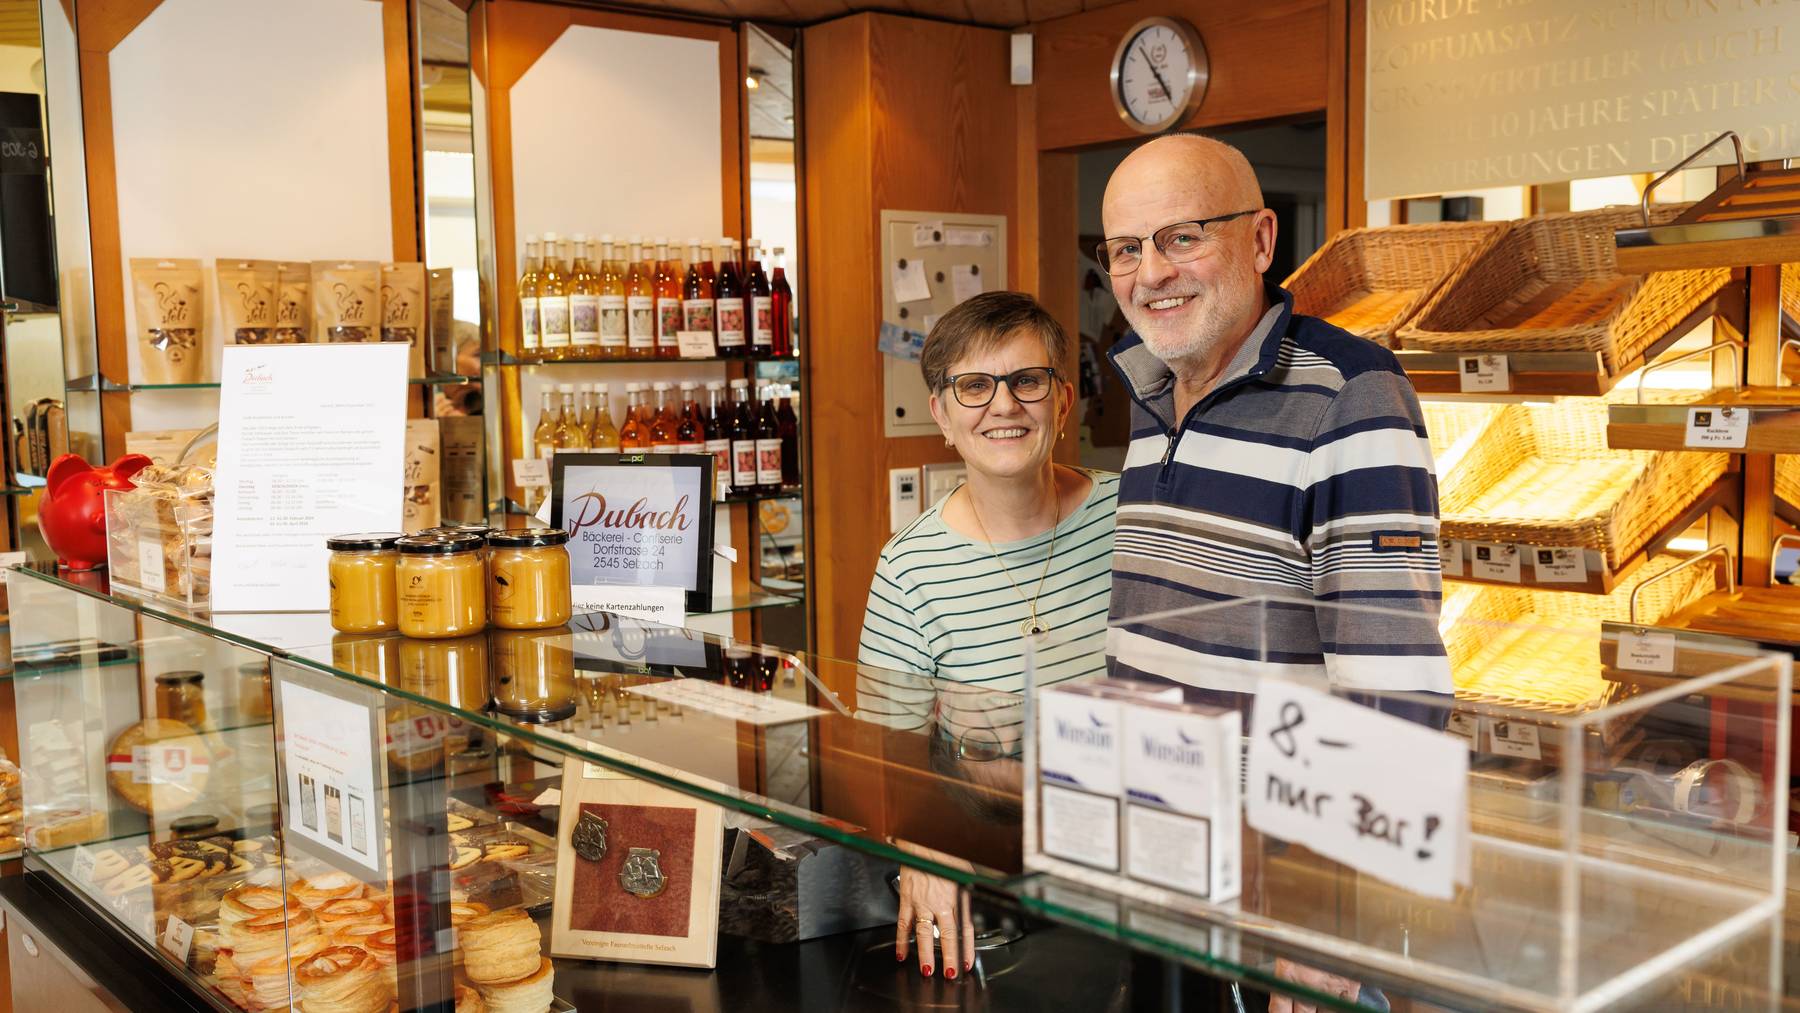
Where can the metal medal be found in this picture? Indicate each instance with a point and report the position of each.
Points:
(642, 875)
(589, 837)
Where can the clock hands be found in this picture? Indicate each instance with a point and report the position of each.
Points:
(1167, 94)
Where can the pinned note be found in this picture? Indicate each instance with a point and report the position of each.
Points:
(964, 236)
(965, 281)
(1373, 791)
(900, 343)
(909, 280)
(928, 234)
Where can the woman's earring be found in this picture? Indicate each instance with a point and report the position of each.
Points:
(948, 442)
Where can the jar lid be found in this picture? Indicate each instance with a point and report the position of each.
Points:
(188, 826)
(366, 542)
(440, 543)
(521, 538)
(180, 678)
(457, 528)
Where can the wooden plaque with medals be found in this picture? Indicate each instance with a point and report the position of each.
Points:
(637, 872)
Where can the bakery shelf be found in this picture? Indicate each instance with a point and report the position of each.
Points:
(1751, 218)
(1787, 488)
(1764, 616)
(508, 359)
(1541, 475)
(1372, 281)
(1774, 426)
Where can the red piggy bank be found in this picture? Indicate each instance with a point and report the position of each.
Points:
(73, 513)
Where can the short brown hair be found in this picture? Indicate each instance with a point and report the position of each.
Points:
(985, 322)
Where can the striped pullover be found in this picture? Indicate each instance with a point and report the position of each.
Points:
(1303, 476)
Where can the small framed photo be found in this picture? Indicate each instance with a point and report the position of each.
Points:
(637, 520)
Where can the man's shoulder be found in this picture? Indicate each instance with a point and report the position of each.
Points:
(1349, 354)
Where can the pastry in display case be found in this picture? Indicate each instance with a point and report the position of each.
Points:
(159, 535)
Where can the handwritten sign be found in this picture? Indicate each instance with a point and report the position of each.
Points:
(1370, 790)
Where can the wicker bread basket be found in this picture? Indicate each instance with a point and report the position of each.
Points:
(1452, 427)
(1790, 291)
(1543, 475)
(1371, 281)
(1787, 479)
(1535, 649)
(1550, 284)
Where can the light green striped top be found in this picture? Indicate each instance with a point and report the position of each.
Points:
(941, 607)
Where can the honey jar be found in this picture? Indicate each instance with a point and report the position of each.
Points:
(181, 696)
(363, 598)
(534, 673)
(449, 671)
(374, 657)
(528, 587)
(442, 588)
(253, 691)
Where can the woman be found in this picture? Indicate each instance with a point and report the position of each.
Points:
(1021, 551)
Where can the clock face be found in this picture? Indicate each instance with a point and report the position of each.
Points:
(1155, 75)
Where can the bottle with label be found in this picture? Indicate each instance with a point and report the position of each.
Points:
(584, 402)
(603, 435)
(634, 434)
(717, 424)
(690, 432)
(584, 303)
(762, 302)
(569, 433)
(768, 443)
(706, 265)
(543, 438)
(611, 285)
(670, 319)
(729, 303)
(530, 343)
(640, 303)
(553, 301)
(743, 439)
(697, 294)
(790, 441)
(782, 306)
(662, 421)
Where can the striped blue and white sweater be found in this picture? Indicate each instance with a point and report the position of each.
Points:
(1305, 477)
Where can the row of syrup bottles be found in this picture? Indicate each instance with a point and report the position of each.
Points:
(756, 446)
(589, 301)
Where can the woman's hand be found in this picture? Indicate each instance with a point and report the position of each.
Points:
(928, 902)
(1311, 978)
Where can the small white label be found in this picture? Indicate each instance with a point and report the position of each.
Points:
(1450, 557)
(1169, 849)
(665, 605)
(768, 462)
(1717, 427)
(553, 320)
(613, 326)
(550, 797)
(177, 939)
(446, 940)
(83, 869)
(531, 472)
(1494, 561)
(1559, 566)
(696, 344)
(728, 315)
(641, 322)
(1080, 827)
(584, 320)
(1647, 651)
(1516, 738)
(1483, 374)
(150, 565)
(928, 234)
(1466, 727)
(10, 559)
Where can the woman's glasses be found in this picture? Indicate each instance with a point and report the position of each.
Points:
(976, 390)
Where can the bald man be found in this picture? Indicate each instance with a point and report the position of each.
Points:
(1271, 454)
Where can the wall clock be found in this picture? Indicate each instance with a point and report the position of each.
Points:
(1159, 74)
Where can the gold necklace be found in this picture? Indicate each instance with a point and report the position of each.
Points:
(1031, 626)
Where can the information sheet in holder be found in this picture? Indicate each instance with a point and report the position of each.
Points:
(328, 754)
(312, 443)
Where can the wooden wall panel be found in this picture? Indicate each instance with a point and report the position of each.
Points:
(1270, 59)
(903, 114)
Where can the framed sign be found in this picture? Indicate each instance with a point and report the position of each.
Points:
(637, 520)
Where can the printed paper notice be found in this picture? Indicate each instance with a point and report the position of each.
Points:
(727, 701)
(312, 443)
(1370, 790)
(330, 764)
(909, 280)
(965, 281)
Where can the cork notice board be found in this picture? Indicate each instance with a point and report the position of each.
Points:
(930, 261)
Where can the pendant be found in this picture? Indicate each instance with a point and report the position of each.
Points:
(589, 837)
(1032, 628)
(642, 875)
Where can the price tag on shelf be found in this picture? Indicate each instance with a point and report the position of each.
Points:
(1483, 374)
(1717, 428)
(83, 868)
(1515, 738)
(1559, 566)
(1450, 556)
(1466, 727)
(1647, 651)
(1494, 561)
(177, 939)
(696, 344)
(532, 472)
(150, 565)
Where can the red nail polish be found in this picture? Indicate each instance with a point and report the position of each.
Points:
(950, 972)
(970, 966)
(901, 957)
(926, 970)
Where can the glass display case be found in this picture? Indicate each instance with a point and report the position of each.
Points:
(567, 818)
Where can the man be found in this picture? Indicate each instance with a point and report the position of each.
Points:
(1271, 454)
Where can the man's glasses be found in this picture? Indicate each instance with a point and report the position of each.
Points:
(975, 390)
(1178, 244)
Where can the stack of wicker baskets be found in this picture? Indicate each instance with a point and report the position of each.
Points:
(1787, 479)
(1543, 475)
(1537, 649)
(1453, 426)
(1551, 284)
(1371, 281)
